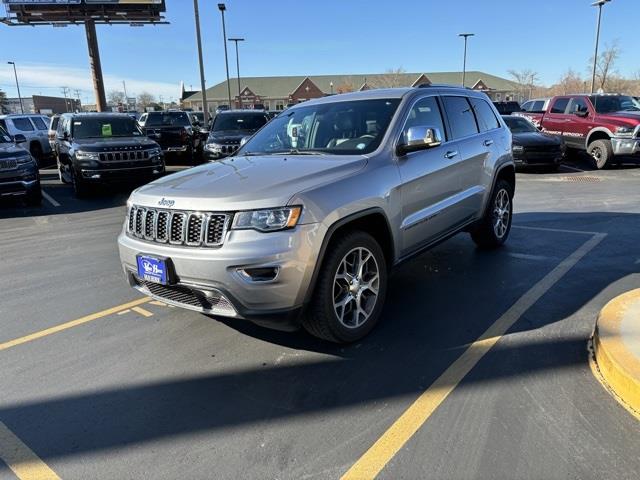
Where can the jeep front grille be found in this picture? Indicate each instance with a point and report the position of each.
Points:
(125, 156)
(193, 229)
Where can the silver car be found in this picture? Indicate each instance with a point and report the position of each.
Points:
(302, 225)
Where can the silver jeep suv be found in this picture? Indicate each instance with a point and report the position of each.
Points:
(303, 223)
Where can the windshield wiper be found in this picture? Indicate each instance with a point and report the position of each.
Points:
(295, 151)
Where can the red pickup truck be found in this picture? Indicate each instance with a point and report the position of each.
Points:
(607, 126)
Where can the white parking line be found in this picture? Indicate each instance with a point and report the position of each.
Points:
(526, 256)
(50, 199)
(560, 230)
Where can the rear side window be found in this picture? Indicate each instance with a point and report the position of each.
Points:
(484, 114)
(425, 113)
(537, 106)
(39, 123)
(560, 105)
(527, 106)
(461, 118)
(23, 124)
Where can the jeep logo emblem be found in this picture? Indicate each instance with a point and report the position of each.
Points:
(166, 203)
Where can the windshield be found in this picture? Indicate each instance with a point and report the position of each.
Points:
(519, 125)
(167, 119)
(238, 122)
(4, 136)
(615, 103)
(353, 127)
(104, 127)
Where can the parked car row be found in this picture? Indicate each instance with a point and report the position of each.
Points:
(34, 128)
(19, 175)
(606, 126)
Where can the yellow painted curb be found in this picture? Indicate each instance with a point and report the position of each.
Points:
(619, 368)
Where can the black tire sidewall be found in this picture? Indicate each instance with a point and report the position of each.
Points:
(329, 268)
(607, 153)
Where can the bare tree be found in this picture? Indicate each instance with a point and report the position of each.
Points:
(115, 97)
(570, 82)
(526, 80)
(346, 86)
(392, 77)
(145, 99)
(605, 65)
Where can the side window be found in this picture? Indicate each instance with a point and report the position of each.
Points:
(461, 118)
(560, 105)
(484, 114)
(527, 106)
(23, 124)
(577, 104)
(426, 113)
(143, 119)
(39, 123)
(3, 125)
(537, 106)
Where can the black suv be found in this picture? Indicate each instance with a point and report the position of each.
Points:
(18, 170)
(229, 128)
(104, 147)
(507, 108)
(173, 131)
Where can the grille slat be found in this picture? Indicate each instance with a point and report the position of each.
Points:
(193, 229)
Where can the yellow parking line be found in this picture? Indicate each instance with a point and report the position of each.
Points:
(386, 447)
(158, 303)
(71, 324)
(142, 311)
(21, 459)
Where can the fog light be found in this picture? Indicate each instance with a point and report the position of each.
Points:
(259, 274)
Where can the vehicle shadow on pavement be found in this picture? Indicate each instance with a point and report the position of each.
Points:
(438, 305)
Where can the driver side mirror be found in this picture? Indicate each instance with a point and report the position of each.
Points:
(19, 138)
(419, 138)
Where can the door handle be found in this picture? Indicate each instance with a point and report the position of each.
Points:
(487, 143)
(450, 154)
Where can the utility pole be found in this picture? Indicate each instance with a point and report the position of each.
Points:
(205, 107)
(598, 4)
(77, 92)
(464, 61)
(15, 73)
(96, 67)
(222, 8)
(66, 101)
(126, 99)
(236, 40)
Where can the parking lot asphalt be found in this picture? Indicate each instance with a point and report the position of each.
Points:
(479, 368)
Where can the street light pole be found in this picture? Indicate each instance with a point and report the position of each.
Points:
(598, 4)
(205, 108)
(15, 73)
(236, 40)
(222, 8)
(464, 58)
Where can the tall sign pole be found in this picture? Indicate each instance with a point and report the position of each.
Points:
(203, 88)
(96, 67)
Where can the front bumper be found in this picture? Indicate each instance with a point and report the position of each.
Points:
(122, 174)
(625, 145)
(211, 280)
(17, 187)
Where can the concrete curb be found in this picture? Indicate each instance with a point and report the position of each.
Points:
(616, 346)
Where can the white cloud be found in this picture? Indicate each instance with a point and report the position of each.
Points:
(48, 80)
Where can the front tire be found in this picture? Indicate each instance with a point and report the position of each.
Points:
(601, 153)
(494, 227)
(80, 188)
(350, 291)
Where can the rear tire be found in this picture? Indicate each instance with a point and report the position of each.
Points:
(61, 175)
(36, 152)
(494, 227)
(350, 291)
(601, 153)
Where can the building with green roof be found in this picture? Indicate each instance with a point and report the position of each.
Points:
(275, 93)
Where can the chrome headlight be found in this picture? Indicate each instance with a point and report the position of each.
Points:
(24, 159)
(154, 152)
(269, 220)
(624, 131)
(80, 155)
(212, 147)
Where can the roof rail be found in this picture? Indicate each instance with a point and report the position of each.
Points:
(448, 85)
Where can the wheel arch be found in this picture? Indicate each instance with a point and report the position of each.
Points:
(373, 221)
(599, 133)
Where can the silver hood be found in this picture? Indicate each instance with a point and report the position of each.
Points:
(245, 183)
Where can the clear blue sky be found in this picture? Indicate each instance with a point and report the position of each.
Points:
(294, 37)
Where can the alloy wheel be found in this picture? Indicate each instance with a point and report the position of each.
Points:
(501, 213)
(355, 287)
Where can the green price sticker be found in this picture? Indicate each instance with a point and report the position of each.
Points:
(106, 130)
